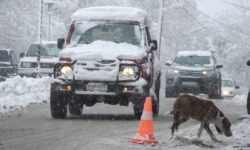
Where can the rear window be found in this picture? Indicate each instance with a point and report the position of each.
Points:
(4, 56)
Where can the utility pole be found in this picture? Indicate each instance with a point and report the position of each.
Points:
(160, 21)
(39, 37)
(50, 3)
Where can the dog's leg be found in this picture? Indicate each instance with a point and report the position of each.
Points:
(177, 122)
(210, 133)
(201, 128)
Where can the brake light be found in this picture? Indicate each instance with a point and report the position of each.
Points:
(67, 59)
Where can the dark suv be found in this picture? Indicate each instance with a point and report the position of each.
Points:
(108, 57)
(8, 64)
(195, 72)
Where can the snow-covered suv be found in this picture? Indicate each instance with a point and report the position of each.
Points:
(108, 57)
(194, 71)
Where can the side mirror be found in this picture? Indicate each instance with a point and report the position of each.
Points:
(153, 44)
(168, 63)
(21, 55)
(248, 62)
(237, 87)
(60, 43)
(219, 66)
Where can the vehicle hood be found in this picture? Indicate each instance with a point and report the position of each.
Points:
(192, 68)
(102, 50)
(43, 59)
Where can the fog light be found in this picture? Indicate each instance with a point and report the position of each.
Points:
(128, 89)
(66, 87)
(225, 92)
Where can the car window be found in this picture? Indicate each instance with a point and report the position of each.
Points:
(193, 60)
(46, 50)
(4, 57)
(227, 83)
(118, 33)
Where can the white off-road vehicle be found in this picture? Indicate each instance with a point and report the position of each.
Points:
(108, 56)
(28, 64)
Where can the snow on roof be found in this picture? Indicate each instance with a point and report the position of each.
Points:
(110, 13)
(197, 53)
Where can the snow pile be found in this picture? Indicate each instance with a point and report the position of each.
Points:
(187, 139)
(19, 92)
(103, 50)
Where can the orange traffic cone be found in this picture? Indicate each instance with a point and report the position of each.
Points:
(145, 132)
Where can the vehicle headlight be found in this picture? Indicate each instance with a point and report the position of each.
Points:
(224, 92)
(173, 71)
(128, 72)
(204, 72)
(66, 69)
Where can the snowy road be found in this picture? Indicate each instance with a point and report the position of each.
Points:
(100, 127)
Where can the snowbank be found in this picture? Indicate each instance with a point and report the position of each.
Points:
(18, 92)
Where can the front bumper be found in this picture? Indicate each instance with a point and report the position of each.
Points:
(188, 82)
(33, 72)
(79, 87)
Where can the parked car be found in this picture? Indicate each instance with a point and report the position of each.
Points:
(108, 57)
(8, 64)
(194, 72)
(228, 87)
(248, 96)
(28, 64)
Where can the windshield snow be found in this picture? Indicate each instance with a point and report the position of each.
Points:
(88, 32)
(46, 50)
(4, 57)
(193, 60)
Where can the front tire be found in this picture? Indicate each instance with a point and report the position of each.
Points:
(214, 91)
(248, 103)
(57, 105)
(75, 107)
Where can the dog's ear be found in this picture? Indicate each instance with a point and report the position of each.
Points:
(218, 129)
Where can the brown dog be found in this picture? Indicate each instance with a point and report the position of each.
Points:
(186, 106)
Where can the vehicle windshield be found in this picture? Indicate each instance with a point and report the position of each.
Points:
(193, 60)
(4, 57)
(227, 83)
(46, 50)
(90, 31)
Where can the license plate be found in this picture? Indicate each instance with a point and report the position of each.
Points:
(189, 83)
(99, 87)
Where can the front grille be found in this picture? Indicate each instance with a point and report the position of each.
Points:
(190, 73)
(105, 65)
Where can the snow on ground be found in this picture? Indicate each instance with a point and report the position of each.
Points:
(17, 92)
